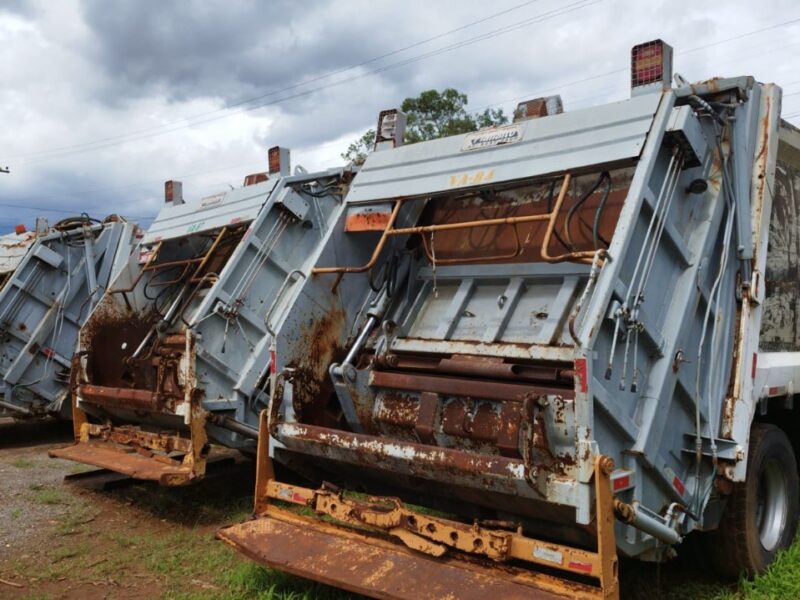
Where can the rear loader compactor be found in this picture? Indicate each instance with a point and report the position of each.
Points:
(56, 282)
(177, 354)
(530, 349)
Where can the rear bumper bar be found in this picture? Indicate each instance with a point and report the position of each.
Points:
(493, 473)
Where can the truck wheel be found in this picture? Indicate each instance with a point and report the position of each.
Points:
(761, 516)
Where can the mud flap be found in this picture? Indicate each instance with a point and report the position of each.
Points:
(379, 568)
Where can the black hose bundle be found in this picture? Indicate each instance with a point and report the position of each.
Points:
(595, 228)
(387, 275)
(71, 223)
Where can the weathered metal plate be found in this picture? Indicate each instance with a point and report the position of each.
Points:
(132, 464)
(555, 144)
(381, 569)
(235, 206)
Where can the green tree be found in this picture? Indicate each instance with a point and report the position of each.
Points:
(358, 150)
(431, 115)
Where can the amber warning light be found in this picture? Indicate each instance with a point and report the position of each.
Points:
(278, 161)
(651, 63)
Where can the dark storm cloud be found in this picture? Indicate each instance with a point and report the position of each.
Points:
(219, 49)
(20, 7)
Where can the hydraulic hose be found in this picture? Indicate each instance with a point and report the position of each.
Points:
(574, 208)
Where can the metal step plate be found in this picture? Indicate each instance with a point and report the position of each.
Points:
(128, 463)
(381, 569)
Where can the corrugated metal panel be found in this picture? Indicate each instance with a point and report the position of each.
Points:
(569, 140)
(236, 206)
(12, 248)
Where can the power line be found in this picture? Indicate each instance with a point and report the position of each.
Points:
(459, 44)
(578, 5)
(64, 211)
(625, 69)
(481, 37)
(128, 186)
(295, 85)
(182, 176)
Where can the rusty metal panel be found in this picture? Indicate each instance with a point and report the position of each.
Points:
(368, 565)
(181, 341)
(129, 463)
(780, 322)
(368, 218)
(567, 141)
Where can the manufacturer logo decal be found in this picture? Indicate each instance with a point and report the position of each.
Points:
(497, 136)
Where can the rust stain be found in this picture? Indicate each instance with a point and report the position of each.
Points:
(367, 221)
(320, 345)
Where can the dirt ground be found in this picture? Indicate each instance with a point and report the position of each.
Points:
(76, 540)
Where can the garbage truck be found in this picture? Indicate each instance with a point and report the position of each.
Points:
(177, 354)
(527, 351)
(46, 298)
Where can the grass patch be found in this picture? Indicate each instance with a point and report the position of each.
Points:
(209, 502)
(782, 579)
(70, 523)
(250, 582)
(23, 463)
(191, 565)
(49, 496)
(181, 559)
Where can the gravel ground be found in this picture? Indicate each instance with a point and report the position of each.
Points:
(30, 482)
(75, 540)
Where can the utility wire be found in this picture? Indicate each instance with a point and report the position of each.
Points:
(566, 9)
(295, 85)
(488, 35)
(625, 69)
(459, 44)
(468, 41)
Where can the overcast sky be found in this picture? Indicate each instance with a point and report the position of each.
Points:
(102, 101)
